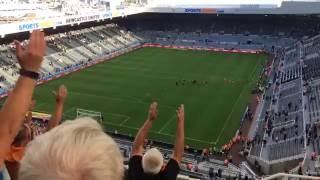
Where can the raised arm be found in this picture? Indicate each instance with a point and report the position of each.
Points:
(61, 95)
(17, 104)
(179, 144)
(143, 132)
(29, 115)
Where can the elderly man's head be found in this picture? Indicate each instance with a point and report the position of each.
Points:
(152, 161)
(75, 150)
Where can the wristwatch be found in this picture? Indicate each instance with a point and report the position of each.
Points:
(29, 74)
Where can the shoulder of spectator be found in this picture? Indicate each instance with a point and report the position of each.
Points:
(136, 154)
(137, 150)
(135, 162)
(175, 160)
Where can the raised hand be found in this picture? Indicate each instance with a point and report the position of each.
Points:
(180, 113)
(153, 111)
(30, 58)
(56, 117)
(61, 94)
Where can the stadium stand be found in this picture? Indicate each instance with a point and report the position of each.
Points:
(287, 124)
(280, 131)
(69, 51)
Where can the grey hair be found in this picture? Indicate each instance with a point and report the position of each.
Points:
(152, 161)
(74, 150)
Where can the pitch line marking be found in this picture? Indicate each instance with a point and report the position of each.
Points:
(119, 99)
(119, 115)
(166, 124)
(188, 138)
(117, 125)
(69, 110)
(229, 116)
(39, 105)
(125, 121)
(165, 134)
(67, 113)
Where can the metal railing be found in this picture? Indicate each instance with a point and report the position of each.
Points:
(287, 176)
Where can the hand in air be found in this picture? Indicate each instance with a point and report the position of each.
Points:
(180, 113)
(153, 111)
(30, 58)
(61, 94)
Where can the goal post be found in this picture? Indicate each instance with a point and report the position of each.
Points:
(89, 113)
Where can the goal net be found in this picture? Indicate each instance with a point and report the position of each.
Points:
(88, 113)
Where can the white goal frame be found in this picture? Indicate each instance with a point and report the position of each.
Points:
(89, 113)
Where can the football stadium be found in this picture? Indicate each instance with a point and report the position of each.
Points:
(90, 89)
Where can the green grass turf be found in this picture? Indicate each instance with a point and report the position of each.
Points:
(123, 88)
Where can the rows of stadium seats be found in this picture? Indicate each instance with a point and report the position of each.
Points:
(286, 149)
(205, 23)
(283, 131)
(291, 55)
(280, 130)
(311, 68)
(313, 109)
(311, 76)
(69, 50)
(314, 103)
(311, 99)
(290, 73)
(312, 47)
(290, 88)
(227, 41)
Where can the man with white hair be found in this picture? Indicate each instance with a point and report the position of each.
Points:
(151, 165)
(74, 150)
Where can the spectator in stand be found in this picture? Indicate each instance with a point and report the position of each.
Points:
(74, 150)
(16, 106)
(150, 165)
(27, 133)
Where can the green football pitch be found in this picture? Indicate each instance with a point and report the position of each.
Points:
(123, 88)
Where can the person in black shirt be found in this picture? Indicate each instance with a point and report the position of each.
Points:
(150, 166)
